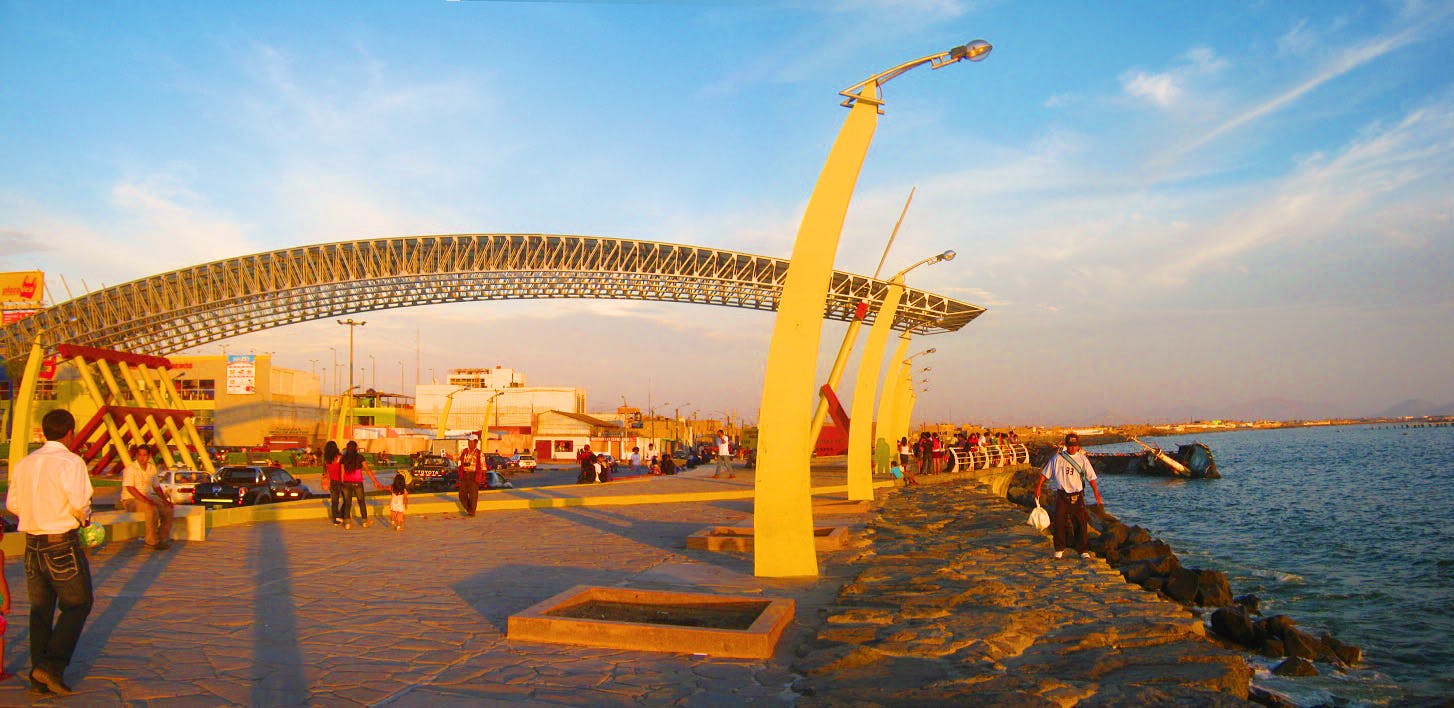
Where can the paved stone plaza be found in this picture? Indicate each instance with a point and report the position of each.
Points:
(948, 602)
(301, 612)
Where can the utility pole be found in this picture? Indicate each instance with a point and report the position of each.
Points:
(351, 324)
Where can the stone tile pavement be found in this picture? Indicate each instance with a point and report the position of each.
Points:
(301, 612)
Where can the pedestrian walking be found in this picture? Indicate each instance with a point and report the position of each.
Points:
(333, 481)
(1069, 470)
(51, 493)
(354, 468)
(471, 472)
(724, 456)
(398, 501)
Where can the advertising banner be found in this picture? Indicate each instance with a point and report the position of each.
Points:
(241, 374)
(9, 317)
(23, 287)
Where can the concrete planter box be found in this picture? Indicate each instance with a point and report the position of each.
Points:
(740, 538)
(729, 626)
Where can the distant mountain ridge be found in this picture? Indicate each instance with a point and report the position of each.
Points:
(1416, 408)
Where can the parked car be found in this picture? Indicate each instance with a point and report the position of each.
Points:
(496, 461)
(525, 461)
(495, 480)
(245, 485)
(434, 473)
(179, 484)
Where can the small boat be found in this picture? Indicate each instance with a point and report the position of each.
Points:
(1193, 461)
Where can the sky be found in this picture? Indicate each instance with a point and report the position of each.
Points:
(1170, 211)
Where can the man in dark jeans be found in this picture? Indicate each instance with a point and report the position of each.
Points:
(1070, 469)
(51, 493)
(471, 469)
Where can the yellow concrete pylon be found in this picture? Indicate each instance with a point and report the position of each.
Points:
(782, 502)
(865, 390)
(888, 403)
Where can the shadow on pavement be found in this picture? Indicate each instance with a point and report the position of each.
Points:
(99, 628)
(669, 536)
(277, 656)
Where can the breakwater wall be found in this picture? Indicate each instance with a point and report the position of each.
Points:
(1151, 563)
(957, 600)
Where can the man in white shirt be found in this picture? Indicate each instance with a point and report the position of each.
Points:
(1067, 468)
(724, 456)
(141, 491)
(51, 493)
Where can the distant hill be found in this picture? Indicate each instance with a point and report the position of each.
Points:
(1280, 409)
(1417, 408)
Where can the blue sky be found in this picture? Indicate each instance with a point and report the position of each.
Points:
(1170, 209)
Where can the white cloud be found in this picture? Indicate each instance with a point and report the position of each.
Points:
(1166, 89)
(1160, 89)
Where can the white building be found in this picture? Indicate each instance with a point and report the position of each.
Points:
(496, 378)
(514, 407)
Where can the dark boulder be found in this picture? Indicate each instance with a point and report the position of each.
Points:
(1137, 571)
(1232, 624)
(1151, 550)
(1301, 644)
(1154, 583)
(1273, 648)
(1296, 666)
(1181, 586)
(1276, 626)
(1213, 589)
(1250, 603)
(1346, 653)
(1271, 699)
(1136, 534)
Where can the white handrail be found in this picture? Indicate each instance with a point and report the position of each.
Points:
(984, 457)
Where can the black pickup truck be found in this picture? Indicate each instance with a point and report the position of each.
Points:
(246, 485)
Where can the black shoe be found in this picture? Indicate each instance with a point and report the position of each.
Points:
(50, 681)
(38, 688)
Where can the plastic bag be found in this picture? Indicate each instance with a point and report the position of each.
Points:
(93, 535)
(1039, 518)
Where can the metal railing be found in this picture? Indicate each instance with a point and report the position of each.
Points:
(984, 457)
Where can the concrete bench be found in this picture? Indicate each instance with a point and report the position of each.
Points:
(189, 524)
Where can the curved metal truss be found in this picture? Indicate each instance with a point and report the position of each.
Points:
(184, 308)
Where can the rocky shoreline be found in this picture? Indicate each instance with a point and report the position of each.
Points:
(959, 600)
(1152, 564)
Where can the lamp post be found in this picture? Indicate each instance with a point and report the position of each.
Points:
(895, 389)
(865, 389)
(314, 369)
(373, 373)
(335, 369)
(351, 325)
(783, 514)
(401, 377)
(904, 396)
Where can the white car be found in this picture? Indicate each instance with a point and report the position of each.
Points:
(525, 461)
(178, 484)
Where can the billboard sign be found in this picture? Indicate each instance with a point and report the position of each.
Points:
(241, 374)
(23, 287)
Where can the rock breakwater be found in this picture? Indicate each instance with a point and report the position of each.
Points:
(1150, 563)
(959, 600)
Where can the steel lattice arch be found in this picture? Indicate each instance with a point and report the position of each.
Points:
(181, 309)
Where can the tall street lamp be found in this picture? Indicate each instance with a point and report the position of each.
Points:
(904, 396)
(350, 323)
(865, 390)
(783, 513)
(894, 393)
(335, 369)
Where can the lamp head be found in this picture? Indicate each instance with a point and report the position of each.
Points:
(947, 256)
(930, 350)
(974, 51)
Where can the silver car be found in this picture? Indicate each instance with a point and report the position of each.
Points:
(178, 484)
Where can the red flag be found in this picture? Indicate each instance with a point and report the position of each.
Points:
(860, 310)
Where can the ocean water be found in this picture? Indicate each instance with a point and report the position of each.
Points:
(1347, 529)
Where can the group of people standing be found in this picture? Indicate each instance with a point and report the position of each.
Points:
(343, 475)
(929, 453)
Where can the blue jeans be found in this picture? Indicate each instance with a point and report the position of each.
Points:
(57, 574)
(352, 491)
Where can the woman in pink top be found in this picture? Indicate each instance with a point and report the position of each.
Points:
(333, 477)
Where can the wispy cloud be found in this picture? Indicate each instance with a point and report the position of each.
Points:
(1165, 89)
(1341, 63)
